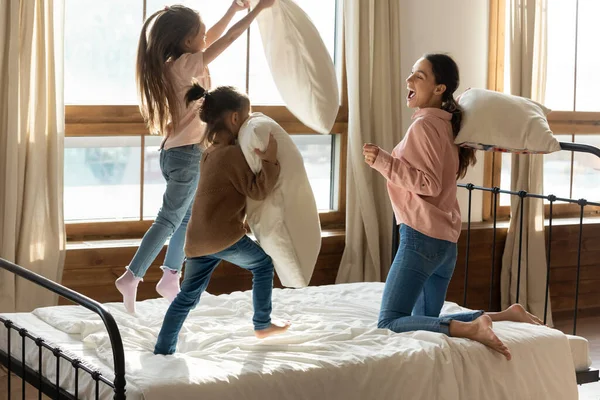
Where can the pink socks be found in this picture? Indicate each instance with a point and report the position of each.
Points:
(168, 286)
(127, 284)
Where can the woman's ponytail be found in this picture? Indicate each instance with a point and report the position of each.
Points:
(446, 73)
(466, 155)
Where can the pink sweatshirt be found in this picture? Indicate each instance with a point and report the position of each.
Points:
(421, 176)
(181, 72)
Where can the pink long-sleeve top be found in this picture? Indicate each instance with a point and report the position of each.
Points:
(421, 176)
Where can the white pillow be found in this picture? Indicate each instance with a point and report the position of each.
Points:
(286, 223)
(494, 121)
(300, 64)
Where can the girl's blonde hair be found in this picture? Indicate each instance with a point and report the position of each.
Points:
(162, 38)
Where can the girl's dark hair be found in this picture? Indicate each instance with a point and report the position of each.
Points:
(446, 73)
(158, 43)
(215, 103)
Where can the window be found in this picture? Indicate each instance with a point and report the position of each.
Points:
(112, 177)
(572, 62)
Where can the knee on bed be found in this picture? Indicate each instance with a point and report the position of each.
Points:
(383, 324)
(195, 303)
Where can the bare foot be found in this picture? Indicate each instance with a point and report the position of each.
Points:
(481, 331)
(274, 329)
(521, 315)
(516, 313)
(485, 335)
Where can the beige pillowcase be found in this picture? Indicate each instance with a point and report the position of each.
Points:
(494, 121)
(286, 223)
(300, 64)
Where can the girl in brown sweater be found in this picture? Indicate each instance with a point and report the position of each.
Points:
(216, 229)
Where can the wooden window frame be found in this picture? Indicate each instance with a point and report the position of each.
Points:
(126, 120)
(98, 121)
(561, 122)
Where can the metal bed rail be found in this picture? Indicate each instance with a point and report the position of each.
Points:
(36, 378)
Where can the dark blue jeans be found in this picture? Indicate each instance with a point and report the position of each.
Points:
(246, 254)
(416, 286)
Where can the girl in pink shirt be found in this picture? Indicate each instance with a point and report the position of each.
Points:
(421, 176)
(174, 49)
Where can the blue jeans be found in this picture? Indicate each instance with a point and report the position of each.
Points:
(180, 167)
(416, 286)
(246, 254)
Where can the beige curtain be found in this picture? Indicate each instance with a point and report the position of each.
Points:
(527, 63)
(31, 148)
(372, 49)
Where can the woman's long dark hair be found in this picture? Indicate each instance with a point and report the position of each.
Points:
(446, 73)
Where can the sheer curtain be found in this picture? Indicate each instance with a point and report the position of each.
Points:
(372, 48)
(31, 148)
(527, 57)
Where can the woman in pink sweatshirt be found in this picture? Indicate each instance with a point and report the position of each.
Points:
(421, 176)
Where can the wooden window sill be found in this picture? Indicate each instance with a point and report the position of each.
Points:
(124, 243)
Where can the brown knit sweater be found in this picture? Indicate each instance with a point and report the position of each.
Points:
(219, 209)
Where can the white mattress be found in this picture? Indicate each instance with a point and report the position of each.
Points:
(332, 351)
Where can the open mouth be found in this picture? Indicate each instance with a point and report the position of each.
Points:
(411, 94)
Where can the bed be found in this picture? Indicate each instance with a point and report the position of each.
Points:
(333, 351)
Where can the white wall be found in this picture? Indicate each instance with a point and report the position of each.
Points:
(460, 29)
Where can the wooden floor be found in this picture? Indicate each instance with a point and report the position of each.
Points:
(31, 393)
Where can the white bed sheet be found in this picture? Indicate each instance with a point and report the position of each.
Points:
(580, 348)
(332, 351)
(70, 345)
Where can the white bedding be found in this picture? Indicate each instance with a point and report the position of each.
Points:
(332, 351)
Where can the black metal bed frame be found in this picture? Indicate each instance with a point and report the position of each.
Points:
(37, 378)
(52, 389)
(591, 375)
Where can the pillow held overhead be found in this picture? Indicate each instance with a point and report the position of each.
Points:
(494, 121)
(300, 64)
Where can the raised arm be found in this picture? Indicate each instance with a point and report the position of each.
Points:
(217, 29)
(221, 44)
